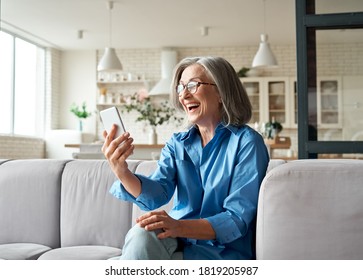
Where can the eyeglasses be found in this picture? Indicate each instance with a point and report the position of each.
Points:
(192, 87)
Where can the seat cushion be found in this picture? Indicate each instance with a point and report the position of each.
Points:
(82, 253)
(22, 251)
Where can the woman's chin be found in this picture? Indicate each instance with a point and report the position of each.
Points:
(192, 118)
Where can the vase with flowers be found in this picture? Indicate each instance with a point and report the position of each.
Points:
(152, 113)
(81, 113)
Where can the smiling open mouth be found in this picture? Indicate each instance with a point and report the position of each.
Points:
(192, 106)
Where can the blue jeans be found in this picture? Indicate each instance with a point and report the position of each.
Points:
(141, 244)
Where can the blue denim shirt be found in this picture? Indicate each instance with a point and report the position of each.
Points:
(219, 182)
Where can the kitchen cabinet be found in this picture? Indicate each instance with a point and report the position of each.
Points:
(276, 97)
(254, 91)
(270, 99)
(329, 102)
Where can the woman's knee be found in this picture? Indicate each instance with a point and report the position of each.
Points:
(143, 244)
(139, 235)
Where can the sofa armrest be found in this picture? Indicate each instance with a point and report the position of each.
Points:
(311, 209)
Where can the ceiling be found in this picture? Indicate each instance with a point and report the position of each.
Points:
(156, 23)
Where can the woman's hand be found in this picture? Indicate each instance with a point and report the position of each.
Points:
(117, 151)
(160, 220)
(196, 229)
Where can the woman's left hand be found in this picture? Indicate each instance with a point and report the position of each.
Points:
(160, 220)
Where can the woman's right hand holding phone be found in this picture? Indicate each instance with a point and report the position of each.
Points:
(116, 151)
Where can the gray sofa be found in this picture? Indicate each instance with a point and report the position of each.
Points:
(61, 209)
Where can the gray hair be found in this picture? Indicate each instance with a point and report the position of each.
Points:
(237, 108)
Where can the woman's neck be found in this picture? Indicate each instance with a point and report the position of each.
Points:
(207, 133)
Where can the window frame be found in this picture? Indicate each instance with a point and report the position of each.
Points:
(39, 116)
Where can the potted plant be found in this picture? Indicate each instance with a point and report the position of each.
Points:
(80, 113)
(243, 72)
(272, 129)
(153, 114)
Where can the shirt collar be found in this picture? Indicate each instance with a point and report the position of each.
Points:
(231, 128)
(194, 129)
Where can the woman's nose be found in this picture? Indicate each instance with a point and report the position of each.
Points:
(185, 94)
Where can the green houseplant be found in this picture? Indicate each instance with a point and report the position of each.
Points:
(272, 129)
(243, 72)
(81, 113)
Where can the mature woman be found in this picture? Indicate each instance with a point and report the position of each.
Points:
(214, 170)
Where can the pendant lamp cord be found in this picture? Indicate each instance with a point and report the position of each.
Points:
(110, 7)
(264, 16)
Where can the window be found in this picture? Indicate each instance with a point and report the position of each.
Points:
(22, 86)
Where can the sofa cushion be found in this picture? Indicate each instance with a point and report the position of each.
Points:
(311, 209)
(82, 253)
(30, 201)
(22, 251)
(90, 215)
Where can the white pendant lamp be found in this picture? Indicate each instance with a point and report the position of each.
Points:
(109, 61)
(264, 56)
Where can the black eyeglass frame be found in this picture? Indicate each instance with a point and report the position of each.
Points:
(193, 84)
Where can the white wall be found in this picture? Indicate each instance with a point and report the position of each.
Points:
(78, 84)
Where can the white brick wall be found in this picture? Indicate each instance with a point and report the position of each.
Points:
(347, 58)
(16, 147)
(147, 62)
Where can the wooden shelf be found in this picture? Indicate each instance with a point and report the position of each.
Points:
(278, 143)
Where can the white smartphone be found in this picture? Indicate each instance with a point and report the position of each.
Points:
(112, 116)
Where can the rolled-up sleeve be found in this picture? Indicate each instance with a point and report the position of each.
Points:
(225, 227)
(150, 189)
(156, 190)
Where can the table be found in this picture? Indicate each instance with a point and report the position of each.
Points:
(278, 143)
(93, 150)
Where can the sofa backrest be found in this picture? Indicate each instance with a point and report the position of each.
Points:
(30, 201)
(90, 215)
(311, 209)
